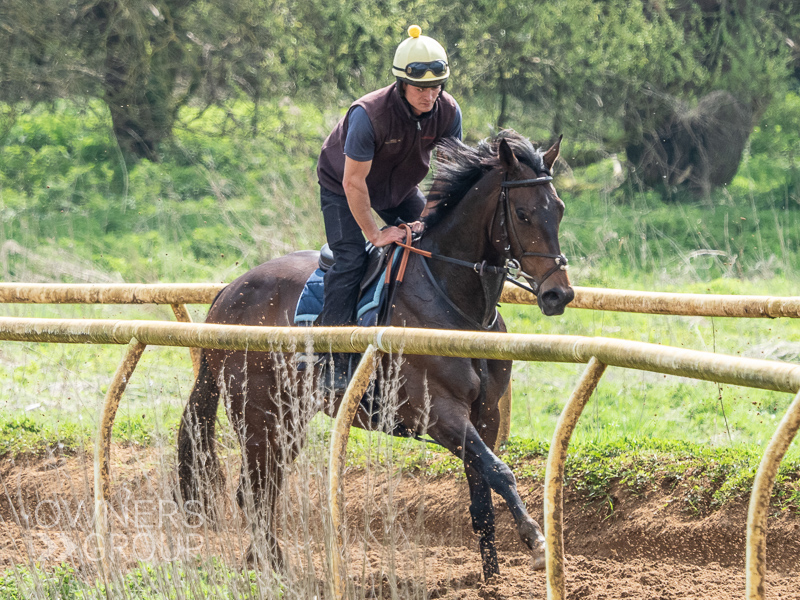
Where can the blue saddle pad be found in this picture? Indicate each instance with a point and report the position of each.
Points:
(369, 305)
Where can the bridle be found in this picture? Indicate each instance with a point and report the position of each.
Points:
(508, 230)
(511, 268)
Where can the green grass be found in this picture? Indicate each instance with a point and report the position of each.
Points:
(700, 477)
(147, 582)
(634, 403)
(222, 201)
(52, 394)
(59, 388)
(215, 204)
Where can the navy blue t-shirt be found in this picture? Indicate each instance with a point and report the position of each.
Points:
(359, 144)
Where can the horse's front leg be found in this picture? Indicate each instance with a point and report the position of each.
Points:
(481, 510)
(459, 436)
(479, 456)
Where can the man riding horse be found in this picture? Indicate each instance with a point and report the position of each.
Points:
(375, 158)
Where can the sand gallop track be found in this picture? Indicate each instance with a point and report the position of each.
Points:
(650, 547)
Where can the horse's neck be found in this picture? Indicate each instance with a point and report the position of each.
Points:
(464, 234)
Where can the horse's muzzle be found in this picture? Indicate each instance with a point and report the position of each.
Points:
(554, 300)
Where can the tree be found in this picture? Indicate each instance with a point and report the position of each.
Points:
(629, 74)
(146, 59)
(691, 132)
(620, 73)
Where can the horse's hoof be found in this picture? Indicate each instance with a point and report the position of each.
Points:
(538, 560)
(531, 534)
(532, 537)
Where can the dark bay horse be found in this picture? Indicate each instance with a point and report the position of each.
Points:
(488, 206)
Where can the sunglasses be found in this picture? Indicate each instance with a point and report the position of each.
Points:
(418, 69)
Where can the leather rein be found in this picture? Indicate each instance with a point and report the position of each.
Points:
(509, 271)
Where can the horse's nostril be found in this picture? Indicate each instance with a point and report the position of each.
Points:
(551, 297)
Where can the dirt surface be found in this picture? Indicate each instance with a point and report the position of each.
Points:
(648, 547)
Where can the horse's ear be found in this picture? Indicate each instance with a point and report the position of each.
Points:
(507, 158)
(552, 154)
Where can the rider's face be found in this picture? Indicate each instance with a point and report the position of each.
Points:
(421, 99)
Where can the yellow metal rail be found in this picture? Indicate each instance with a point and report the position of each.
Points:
(734, 370)
(756, 558)
(659, 303)
(662, 303)
(102, 453)
(554, 478)
(109, 293)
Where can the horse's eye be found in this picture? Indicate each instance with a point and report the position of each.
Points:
(522, 216)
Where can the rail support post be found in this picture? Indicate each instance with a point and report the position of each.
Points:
(182, 315)
(505, 419)
(554, 478)
(756, 559)
(102, 449)
(341, 432)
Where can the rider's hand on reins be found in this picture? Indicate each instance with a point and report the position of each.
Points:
(389, 235)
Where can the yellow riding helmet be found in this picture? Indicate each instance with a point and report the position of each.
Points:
(420, 60)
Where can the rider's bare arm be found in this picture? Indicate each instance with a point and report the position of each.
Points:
(355, 188)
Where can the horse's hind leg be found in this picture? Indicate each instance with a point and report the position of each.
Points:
(270, 417)
(199, 471)
(260, 484)
(252, 412)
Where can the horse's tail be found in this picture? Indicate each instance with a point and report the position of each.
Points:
(199, 473)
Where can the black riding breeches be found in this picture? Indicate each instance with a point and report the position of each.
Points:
(347, 243)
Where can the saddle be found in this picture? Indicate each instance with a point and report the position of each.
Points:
(376, 262)
(373, 289)
(374, 292)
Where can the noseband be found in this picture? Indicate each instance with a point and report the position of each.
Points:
(508, 231)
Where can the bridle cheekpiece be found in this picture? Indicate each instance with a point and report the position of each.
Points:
(508, 230)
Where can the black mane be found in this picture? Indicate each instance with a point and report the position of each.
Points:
(458, 167)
